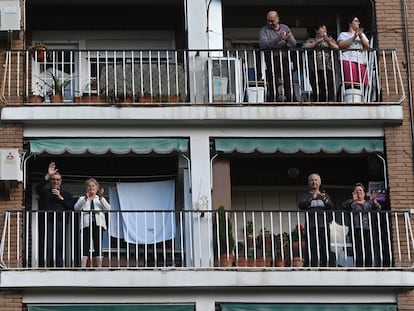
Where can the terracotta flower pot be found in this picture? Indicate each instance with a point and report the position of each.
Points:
(279, 262)
(298, 262)
(56, 98)
(227, 260)
(36, 99)
(39, 53)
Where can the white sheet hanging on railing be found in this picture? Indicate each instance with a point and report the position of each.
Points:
(146, 226)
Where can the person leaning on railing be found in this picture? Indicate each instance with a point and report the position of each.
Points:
(361, 224)
(316, 202)
(320, 47)
(273, 38)
(354, 60)
(93, 221)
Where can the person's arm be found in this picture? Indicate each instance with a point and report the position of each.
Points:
(345, 43)
(310, 43)
(66, 199)
(331, 43)
(364, 40)
(265, 40)
(290, 39)
(328, 201)
(104, 203)
(40, 187)
(80, 203)
(304, 201)
(347, 204)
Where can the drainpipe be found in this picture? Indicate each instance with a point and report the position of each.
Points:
(407, 65)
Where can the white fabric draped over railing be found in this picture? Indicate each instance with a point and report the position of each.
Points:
(141, 202)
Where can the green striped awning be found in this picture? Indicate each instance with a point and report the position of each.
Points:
(100, 146)
(294, 145)
(114, 307)
(307, 307)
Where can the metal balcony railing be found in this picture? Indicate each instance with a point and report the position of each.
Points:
(199, 77)
(210, 239)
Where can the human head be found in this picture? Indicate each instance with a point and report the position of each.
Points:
(92, 186)
(354, 23)
(320, 29)
(359, 191)
(55, 180)
(314, 181)
(272, 19)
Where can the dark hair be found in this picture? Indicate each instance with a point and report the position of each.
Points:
(351, 18)
(358, 184)
(317, 26)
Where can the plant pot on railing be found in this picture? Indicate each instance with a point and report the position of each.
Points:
(38, 52)
(56, 98)
(227, 260)
(224, 241)
(298, 262)
(35, 99)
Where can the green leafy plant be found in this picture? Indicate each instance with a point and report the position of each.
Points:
(249, 228)
(282, 245)
(225, 228)
(298, 231)
(57, 84)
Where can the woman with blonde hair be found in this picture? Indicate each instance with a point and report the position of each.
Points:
(93, 221)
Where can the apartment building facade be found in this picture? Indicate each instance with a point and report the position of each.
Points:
(199, 133)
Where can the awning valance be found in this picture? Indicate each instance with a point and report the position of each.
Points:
(294, 145)
(134, 307)
(308, 307)
(108, 145)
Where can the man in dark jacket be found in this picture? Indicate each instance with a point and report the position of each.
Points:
(53, 202)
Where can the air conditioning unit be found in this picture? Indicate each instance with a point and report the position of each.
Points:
(225, 79)
(10, 168)
(9, 15)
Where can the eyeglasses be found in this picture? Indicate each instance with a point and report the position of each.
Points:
(55, 179)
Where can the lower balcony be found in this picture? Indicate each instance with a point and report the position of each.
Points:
(222, 239)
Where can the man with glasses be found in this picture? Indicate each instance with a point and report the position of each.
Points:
(53, 202)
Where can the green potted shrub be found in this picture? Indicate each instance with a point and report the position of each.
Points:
(225, 238)
(56, 87)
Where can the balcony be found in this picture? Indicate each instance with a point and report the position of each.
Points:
(184, 77)
(205, 240)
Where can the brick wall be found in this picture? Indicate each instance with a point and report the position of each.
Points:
(399, 146)
(11, 301)
(11, 136)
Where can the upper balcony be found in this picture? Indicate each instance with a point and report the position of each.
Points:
(274, 85)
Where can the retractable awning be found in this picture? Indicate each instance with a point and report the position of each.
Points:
(99, 146)
(294, 145)
(115, 307)
(307, 307)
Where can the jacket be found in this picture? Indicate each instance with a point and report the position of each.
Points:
(100, 204)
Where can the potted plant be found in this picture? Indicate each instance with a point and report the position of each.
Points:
(36, 95)
(169, 98)
(298, 245)
(281, 249)
(125, 98)
(146, 98)
(56, 86)
(225, 238)
(38, 51)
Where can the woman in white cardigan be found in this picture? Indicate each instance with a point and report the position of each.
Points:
(92, 223)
